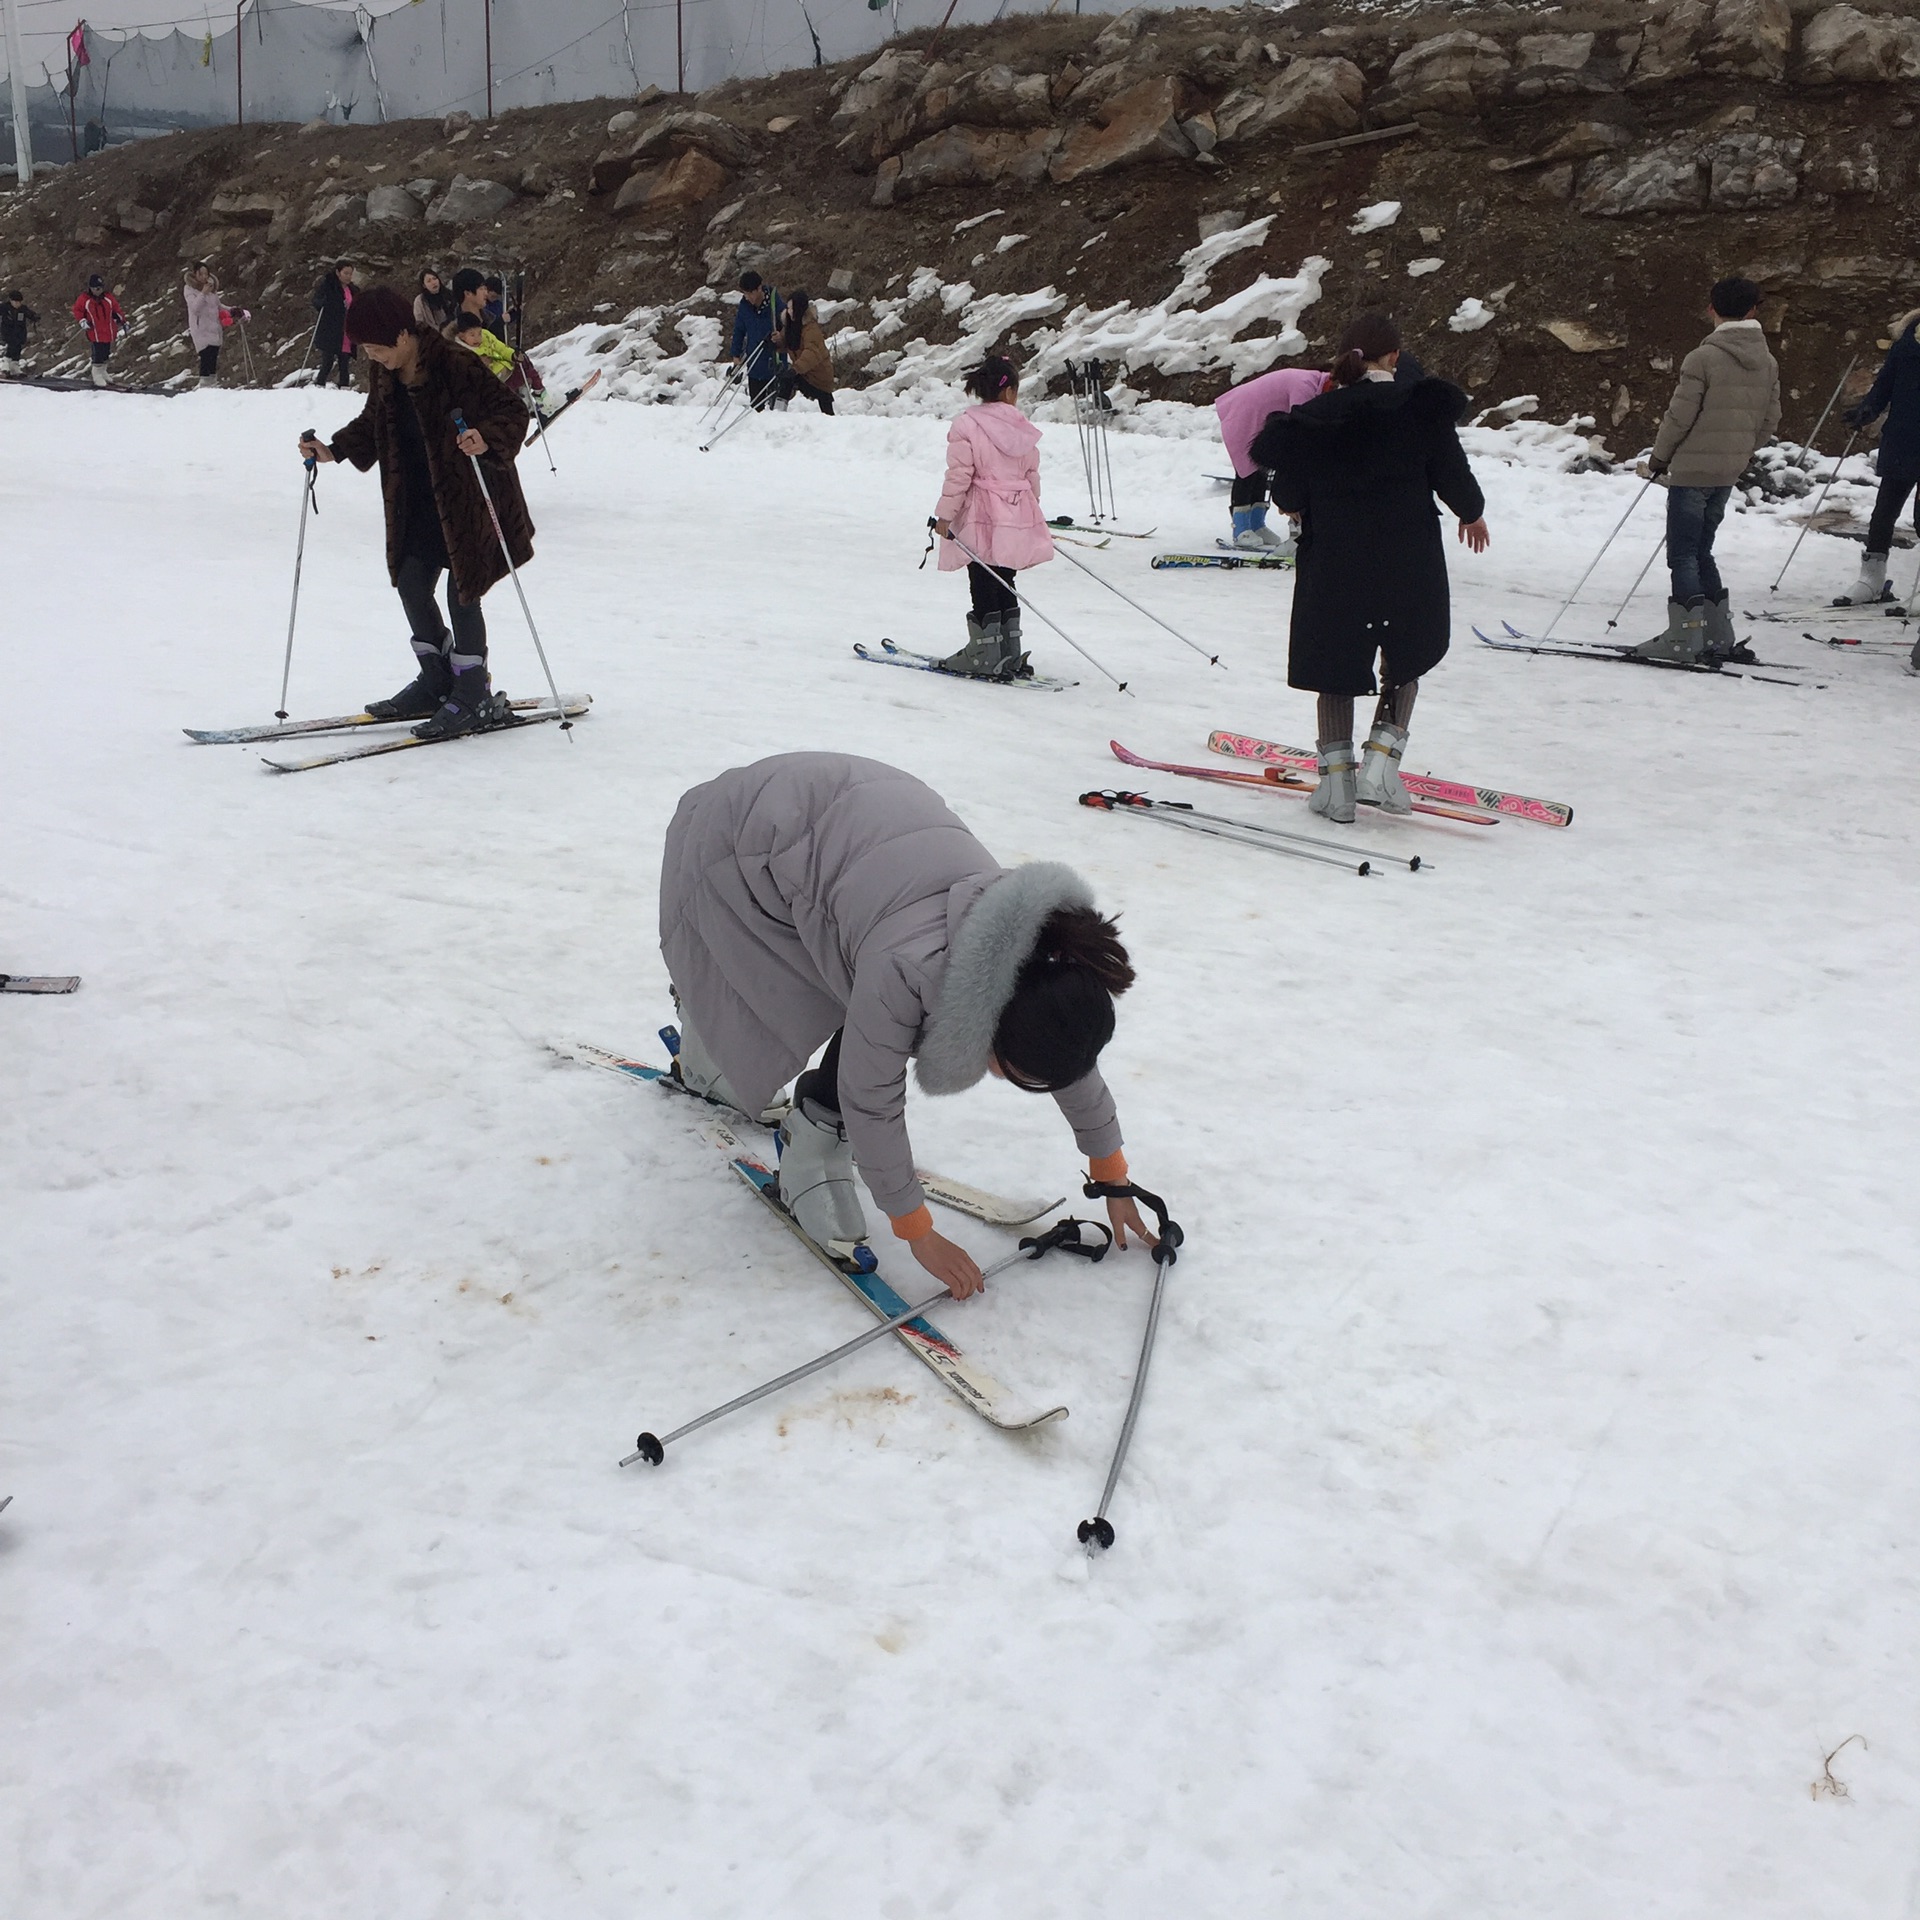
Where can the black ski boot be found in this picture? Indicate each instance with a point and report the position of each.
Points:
(420, 696)
(470, 706)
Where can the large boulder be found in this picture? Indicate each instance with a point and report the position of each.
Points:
(1449, 73)
(684, 181)
(1844, 168)
(968, 156)
(1311, 98)
(988, 97)
(882, 88)
(467, 202)
(1670, 43)
(1672, 178)
(131, 217)
(392, 206)
(670, 134)
(1749, 38)
(1545, 63)
(1141, 123)
(1845, 45)
(1583, 140)
(238, 209)
(1754, 170)
(1119, 34)
(336, 210)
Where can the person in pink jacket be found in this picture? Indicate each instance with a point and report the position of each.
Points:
(989, 519)
(1243, 411)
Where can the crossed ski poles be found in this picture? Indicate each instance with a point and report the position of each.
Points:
(743, 387)
(1064, 1236)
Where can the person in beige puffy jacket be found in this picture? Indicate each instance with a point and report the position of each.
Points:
(1725, 407)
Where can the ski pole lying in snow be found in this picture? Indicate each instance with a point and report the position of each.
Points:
(1179, 813)
(1659, 548)
(1597, 558)
(1063, 1237)
(1212, 659)
(1098, 1532)
(1028, 604)
(500, 532)
(308, 498)
(1817, 505)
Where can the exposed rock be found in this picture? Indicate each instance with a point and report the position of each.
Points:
(1670, 43)
(1556, 183)
(782, 123)
(393, 204)
(468, 201)
(880, 88)
(1584, 139)
(1450, 73)
(1865, 272)
(1845, 169)
(649, 94)
(1844, 44)
(461, 122)
(975, 156)
(725, 265)
(686, 180)
(1754, 170)
(1578, 336)
(1545, 63)
(672, 133)
(88, 235)
(1312, 98)
(1143, 121)
(1119, 34)
(1065, 81)
(886, 178)
(425, 191)
(623, 123)
(988, 97)
(840, 280)
(237, 209)
(131, 217)
(1749, 38)
(1203, 135)
(1670, 179)
(336, 210)
(535, 179)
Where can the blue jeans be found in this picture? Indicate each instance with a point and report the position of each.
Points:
(1693, 518)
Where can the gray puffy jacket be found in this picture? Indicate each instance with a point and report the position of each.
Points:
(1725, 407)
(816, 891)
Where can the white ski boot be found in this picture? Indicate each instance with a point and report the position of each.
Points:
(1379, 784)
(1259, 538)
(817, 1178)
(695, 1068)
(1872, 584)
(1334, 797)
(99, 376)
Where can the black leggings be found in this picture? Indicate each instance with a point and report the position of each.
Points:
(821, 1084)
(331, 357)
(1886, 510)
(467, 646)
(1250, 489)
(209, 362)
(802, 385)
(993, 594)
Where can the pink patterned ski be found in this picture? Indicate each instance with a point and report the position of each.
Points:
(1547, 813)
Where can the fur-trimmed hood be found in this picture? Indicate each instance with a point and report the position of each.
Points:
(991, 945)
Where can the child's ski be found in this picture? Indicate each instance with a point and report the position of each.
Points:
(1629, 659)
(893, 656)
(1279, 780)
(339, 723)
(546, 712)
(55, 983)
(545, 423)
(1072, 525)
(1226, 562)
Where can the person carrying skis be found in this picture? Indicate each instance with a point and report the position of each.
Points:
(808, 367)
(206, 319)
(1361, 466)
(332, 299)
(1895, 393)
(1243, 411)
(991, 504)
(751, 343)
(437, 518)
(1725, 407)
(820, 898)
(15, 318)
(102, 322)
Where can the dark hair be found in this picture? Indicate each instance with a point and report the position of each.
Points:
(1734, 299)
(14, 293)
(992, 377)
(1371, 336)
(467, 281)
(381, 316)
(430, 273)
(1061, 1012)
(341, 265)
(749, 280)
(798, 302)
(493, 283)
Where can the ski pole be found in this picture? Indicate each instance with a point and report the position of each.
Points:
(1833, 400)
(493, 514)
(1063, 1236)
(1098, 1532)
(1212, 659)
(1413, 862)
(1032, 609)
(246, 347)
(746, 407)
(1597, 558)
(1807, 524)
(728, 381)
(1178, 813)
(533, 407)
(1659, 548)
(308, 498)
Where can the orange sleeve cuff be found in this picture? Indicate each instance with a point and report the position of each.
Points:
(1110, 1167)
(912, 1226)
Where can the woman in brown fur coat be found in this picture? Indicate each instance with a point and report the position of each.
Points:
(437, 519)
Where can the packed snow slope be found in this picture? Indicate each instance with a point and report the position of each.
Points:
(1522, 1505)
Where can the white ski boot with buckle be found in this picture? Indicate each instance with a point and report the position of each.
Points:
(1379, 784)
(817, 1178)
(695, 1068)
(1334, 797)
(1871, 585)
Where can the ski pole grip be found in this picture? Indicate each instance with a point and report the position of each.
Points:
(1169, 1238)
(1064, 1236)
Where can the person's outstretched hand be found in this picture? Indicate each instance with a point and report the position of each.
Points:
(1124, 1217)
(954, 1267)
(1475, 534)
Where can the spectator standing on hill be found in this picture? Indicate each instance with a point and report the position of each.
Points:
(751, 346)
(809, 368)
(206, 321)
(1725, 407)
(15, 318)
(102, 322)
(332, 299)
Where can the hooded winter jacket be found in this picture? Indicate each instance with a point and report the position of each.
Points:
(1896, 393)
(814, 892)
(203, 315)
(810, 359)
(1244, 410)
(100, 318)
(992, 494)
(1725, 407)
(14, 322)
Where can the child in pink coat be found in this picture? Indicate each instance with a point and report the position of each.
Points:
(1243, 411)
(989, 519)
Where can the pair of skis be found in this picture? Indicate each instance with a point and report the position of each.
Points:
(1226, 562)
(1623, 654)
(896, 656)
(545, 424)
(39, 982)
(525, 713)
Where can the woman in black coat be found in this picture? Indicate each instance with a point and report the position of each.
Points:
(1896, 393)
(1361, 466)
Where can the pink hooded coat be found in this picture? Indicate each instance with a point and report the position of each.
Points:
(1243, 410)
(992, 495)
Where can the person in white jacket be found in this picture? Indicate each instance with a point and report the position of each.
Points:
(204, 322)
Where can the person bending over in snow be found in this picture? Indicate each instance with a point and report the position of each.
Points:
(1895, 393)
(991, 504)
(1725, 407)
(102, 322)
(1243, 411)
(1361, 466)
(15, 318)
(816, 897)
(437, 517)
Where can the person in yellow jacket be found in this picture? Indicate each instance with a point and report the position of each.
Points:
(471, 332)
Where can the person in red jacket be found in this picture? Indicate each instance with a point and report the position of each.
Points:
(103, 323)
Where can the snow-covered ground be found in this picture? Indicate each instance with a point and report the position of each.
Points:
(1523, 1503)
